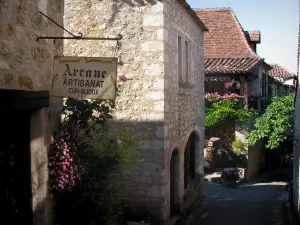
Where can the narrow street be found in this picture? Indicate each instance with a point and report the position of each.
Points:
(261, 203)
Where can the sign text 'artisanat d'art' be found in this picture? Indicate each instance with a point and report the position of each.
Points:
(85, 78)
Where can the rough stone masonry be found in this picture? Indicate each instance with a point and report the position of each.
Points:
(153, 101)
(27, 64)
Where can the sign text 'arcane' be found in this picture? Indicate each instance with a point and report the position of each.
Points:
(85, 78)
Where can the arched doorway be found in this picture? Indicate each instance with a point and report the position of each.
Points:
(190, 159)
(174, 184)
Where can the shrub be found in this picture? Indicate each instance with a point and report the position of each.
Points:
(276, 124)
(93, 193)
(230, 108)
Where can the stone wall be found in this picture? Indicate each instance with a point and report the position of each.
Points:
(184, 103)
(26, 64)
(149, 103)
(140, 101)
(40, 138)
(256, 160)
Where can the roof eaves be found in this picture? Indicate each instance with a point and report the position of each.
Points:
(267, 66)
(289, 76)
(193, 14)
(216, 65)
(260, 62)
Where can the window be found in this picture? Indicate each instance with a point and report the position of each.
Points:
(274, 90)
(264, 85)
(281, 90)
(180, 59)
(184, 64)
(285, 90)
(187, 61)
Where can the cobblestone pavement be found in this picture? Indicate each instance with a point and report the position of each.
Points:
(261, 203)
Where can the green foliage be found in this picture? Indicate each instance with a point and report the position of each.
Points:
(238, 146)
(105, 158)
(219, 112)
(81, 118)
(275, 124)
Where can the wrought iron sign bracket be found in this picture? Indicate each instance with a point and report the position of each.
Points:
(77, 37)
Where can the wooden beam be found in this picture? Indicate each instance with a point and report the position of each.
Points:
(246, 91)
(23, 100)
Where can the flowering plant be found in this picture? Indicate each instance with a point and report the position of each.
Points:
(233, 84)
(230, 173)
(229, 97)
(123, 78)
(64, 171)
(212, 97)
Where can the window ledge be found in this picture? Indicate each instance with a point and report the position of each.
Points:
(185, 88)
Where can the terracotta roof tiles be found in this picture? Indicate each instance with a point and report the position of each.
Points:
(226, 48)
(225, 38)
(280, 72)
(230, 65)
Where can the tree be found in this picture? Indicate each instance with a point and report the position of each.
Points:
(275, 124)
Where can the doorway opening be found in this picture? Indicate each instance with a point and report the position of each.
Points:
(190, 159)
(15, 172)
(174, 184)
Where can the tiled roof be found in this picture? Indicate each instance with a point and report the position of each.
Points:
(230, 65)
(253, 36)
(280, 72)
(225, 37)
(226, 48)
(193, 14)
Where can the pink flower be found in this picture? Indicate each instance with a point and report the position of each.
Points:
(118, 142)
(212, 97)
(234, 95)
(123, 78)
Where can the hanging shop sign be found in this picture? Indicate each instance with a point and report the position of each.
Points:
(85, 77)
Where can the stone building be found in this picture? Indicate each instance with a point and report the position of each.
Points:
(230, 53)
(25, 82)
(161, 54)
(283, 83)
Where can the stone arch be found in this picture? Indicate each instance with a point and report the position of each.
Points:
(192, 157)
(174, 183)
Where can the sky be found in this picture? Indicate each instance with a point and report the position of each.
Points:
(278, 21)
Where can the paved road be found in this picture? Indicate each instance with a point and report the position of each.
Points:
(261, 203)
